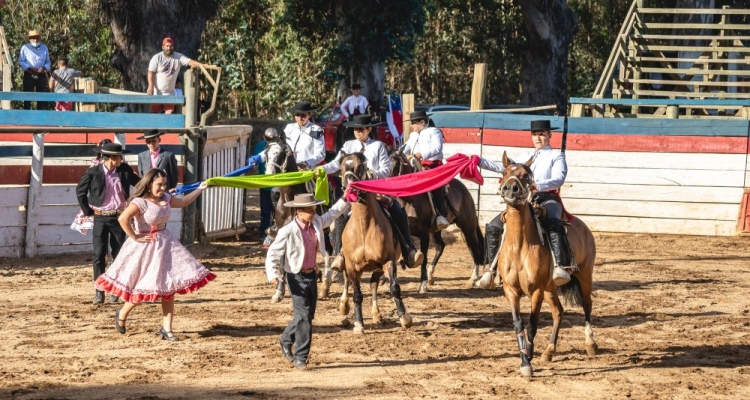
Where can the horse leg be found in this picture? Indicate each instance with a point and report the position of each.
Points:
(374, 282)
(424, 277)
(344, 301)
(514, 302)
(591, 346)
(359, 323)
(556, 309)
(437, 238)
(536, 307)
(327, 274)
(403, 315)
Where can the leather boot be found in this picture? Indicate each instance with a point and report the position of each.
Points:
(438, 200)
(559, 246)
(492, 235)
(99, 298)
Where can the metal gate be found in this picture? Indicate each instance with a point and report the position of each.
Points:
(223, 208)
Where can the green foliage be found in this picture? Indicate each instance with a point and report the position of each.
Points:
(68, 28)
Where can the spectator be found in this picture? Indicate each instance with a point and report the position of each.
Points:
(156, 157)
(61, 81)
(34, 62)
(162, 74)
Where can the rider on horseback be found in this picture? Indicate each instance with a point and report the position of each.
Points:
(426, 145)
(379, 163)
(549, 170)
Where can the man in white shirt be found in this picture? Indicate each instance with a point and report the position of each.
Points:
(549, 169)
(305, 138)
(163, 70)
(35, 63)
(354, 104)
(426, 145)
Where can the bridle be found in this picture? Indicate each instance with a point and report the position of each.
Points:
(285, 149)
(527, 192)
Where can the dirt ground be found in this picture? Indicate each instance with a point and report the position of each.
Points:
(671, 317)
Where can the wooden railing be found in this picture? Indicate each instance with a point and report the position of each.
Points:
(6, 67)
(655, 59)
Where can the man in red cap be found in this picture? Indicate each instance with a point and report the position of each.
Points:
(162, 73)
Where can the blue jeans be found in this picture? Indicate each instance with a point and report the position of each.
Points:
(266, 211)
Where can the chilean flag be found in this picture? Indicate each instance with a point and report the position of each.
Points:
(395, 118)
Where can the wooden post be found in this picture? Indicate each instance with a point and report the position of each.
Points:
(190, 89)
(192, 142)
(478, 87)
(90, 87)
(35, 195)
(673, 111)
(576, 110)
(7, 81)
(407, 107)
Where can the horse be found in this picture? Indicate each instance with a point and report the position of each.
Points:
(462, 212)
(525, 265)
(368, 245)
(280, 158)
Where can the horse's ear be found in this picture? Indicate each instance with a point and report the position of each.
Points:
(506, 160)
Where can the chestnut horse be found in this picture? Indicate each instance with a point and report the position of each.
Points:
(525, 265)
(462, 212)
(368, 245)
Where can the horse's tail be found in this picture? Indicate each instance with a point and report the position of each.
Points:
(478, 253)
(572, 292)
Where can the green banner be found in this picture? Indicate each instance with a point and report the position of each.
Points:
(277, 180)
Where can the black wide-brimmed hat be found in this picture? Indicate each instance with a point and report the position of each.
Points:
(303, 200)
(542, 125)
(361, 121)
(421, 114)
(111, 149)
(150, 134)
(356, 86)
(302, 107)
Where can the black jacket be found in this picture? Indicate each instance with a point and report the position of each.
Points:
(90, 189)
(166, 162)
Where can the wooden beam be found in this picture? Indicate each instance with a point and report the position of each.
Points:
(7, 82)
(662, 102)
(90, 88)
(35, 195)
(700, 11)
(91, 98)
(93, 119)
(478, 87)
(654, 25)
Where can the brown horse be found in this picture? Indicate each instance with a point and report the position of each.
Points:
(462, 212)
(525, 265)
(368, 245)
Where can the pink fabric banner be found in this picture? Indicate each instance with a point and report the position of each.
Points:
(421, 182)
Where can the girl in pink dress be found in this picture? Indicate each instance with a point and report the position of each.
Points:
(152, 264)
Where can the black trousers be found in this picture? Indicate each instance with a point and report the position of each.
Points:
(35, 83)
(107, 231)
(304, 290)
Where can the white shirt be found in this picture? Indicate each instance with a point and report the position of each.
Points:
(306, 143)
(375, 153)
(428, 142)
(549, 167)
(167, 69)
(354, 103)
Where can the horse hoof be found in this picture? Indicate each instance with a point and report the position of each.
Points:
(322, 295)
(405, 321)
(359, 329)
(276, 298)
(484, 283)
(423, 288)
(471, 282)
(344, 309)
(591, 349)
(526, 371)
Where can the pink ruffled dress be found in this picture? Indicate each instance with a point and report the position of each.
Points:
(147, 272)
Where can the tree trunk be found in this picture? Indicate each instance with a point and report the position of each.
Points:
(550, 26)
(138, 27)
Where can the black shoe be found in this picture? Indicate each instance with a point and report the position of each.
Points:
(99, 298)
(113, 298)
(120, 328)
(287, 353)
(299, 364)
(166, 335)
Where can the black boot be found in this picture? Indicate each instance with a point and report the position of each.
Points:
(492, 235)
(438, 200)
(99, 298)
(560, 250)
(400, 224)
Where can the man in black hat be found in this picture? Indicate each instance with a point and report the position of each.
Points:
(549, 169)
(354, 104)
(426, 145)
(305, 138)
(102, 192)
(156, 157)
(378, 161)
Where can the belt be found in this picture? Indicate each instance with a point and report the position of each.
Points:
(107, 213)
(307, 271)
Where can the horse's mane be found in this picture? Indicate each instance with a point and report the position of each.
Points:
(360, 157)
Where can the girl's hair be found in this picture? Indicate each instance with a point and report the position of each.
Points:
(102, 143)
(144, 185)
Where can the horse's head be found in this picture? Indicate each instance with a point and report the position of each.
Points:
(279, 157)
(353, 168)
(518, 182)
(400, 163)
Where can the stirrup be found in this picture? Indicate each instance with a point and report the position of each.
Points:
(560, 276)
(441, 222)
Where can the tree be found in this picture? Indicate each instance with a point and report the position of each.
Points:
(550, 26)
(138, 27)
(367, 33)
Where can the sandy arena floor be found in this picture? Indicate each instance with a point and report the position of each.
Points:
(671, 317)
